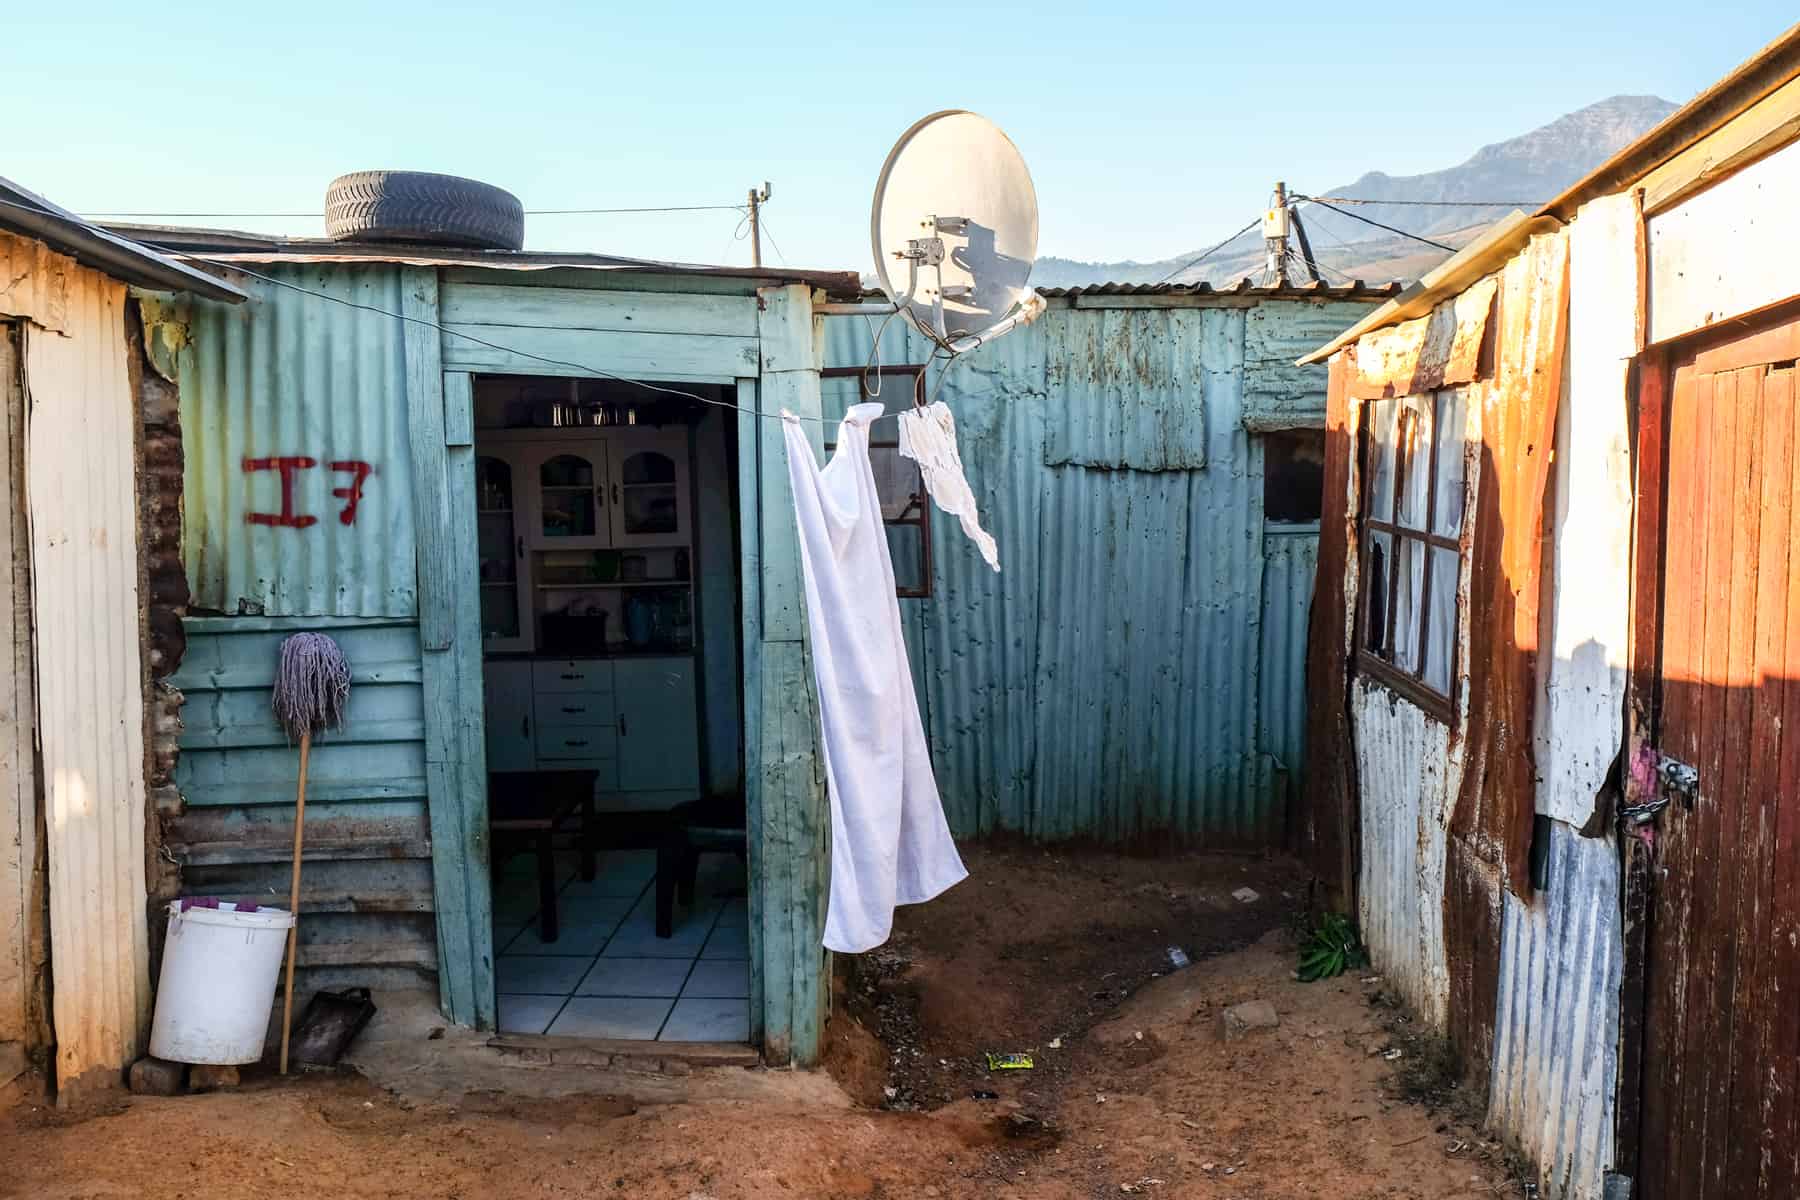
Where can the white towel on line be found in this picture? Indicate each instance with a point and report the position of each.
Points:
(928, 437)
(890, 843)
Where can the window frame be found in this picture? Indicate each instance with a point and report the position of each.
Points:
(1409, 685)
(918, 511)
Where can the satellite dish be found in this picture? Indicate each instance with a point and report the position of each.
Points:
(955, 228)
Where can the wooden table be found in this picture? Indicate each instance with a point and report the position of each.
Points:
(528, 808)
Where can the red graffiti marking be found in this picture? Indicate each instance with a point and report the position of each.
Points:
(288, 466)
(351, 495)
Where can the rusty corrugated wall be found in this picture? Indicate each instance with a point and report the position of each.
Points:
(289, 405)
(1403, 760)
(1111, 682)
(1444, 812)
(1556, 1037)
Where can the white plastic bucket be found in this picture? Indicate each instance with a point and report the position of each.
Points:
(217, 986)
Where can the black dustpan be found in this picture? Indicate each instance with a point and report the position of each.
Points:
(330, 1023)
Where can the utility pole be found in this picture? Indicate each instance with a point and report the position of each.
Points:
(1275, 236)
(757, 200)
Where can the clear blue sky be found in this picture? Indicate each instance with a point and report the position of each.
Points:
(1150, 128)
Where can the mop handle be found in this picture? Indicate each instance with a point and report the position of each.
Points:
(287, 1002)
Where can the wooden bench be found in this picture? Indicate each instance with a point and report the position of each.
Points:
(526, 809)
(712, 826)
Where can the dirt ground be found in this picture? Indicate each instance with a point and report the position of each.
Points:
(1063, 956)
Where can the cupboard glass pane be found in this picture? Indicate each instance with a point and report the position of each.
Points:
(566, 496)
(647, 466)
(648, 500)
(499, 610)
(493, 484)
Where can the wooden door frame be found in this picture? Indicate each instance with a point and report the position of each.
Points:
(789, 826)
(1650, 392)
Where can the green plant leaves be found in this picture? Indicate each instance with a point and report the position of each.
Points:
(1332, 948)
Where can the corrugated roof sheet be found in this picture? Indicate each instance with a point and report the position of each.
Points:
(28, 213)
(1354, 290)
(229, 245)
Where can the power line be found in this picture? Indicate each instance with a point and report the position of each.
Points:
(1209, 253)
(763, 225)
(1433, 203)
(530, 212)
(1295, 258)
(1344, 212)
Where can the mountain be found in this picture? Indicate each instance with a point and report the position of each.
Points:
(1525, 171)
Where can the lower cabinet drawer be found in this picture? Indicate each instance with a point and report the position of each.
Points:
(572, 675)
(561, 741)
(575, 708)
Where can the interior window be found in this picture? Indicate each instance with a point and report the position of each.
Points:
(1293, 476)
(904, 509)
(1411, 553)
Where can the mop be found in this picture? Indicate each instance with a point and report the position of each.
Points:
(312, 687)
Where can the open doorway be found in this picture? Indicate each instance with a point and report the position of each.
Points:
(609, 577)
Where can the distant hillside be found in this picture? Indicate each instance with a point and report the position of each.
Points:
(1526, 170)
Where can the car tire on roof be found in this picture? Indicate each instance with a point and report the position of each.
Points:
(418, 206)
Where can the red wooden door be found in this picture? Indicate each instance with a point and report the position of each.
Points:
(1721, 1007)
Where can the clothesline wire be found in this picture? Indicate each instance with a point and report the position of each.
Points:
(315, 214)
(229, 265)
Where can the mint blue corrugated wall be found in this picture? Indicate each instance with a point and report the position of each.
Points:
(1110, 682)
(290, 375)
(287, 374)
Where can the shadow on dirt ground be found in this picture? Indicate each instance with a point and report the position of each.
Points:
(1059, 955)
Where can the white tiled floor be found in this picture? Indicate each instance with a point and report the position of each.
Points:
(608, 975)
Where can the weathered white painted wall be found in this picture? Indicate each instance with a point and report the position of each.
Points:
(1728, 250)
(1581, 720)
(81, 482)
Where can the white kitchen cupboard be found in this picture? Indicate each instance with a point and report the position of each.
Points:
(505, 570)
(649, 497)
(634, 721)
(567, 485)
(658, 730)
(509, 714)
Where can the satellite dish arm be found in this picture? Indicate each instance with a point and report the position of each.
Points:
(1027, 311)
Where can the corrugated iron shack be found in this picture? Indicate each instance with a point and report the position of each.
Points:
(1553, 661)
(345, 451)
(83, 631)
(1148, 458)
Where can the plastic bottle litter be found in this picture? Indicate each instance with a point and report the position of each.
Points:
(1178, 958)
